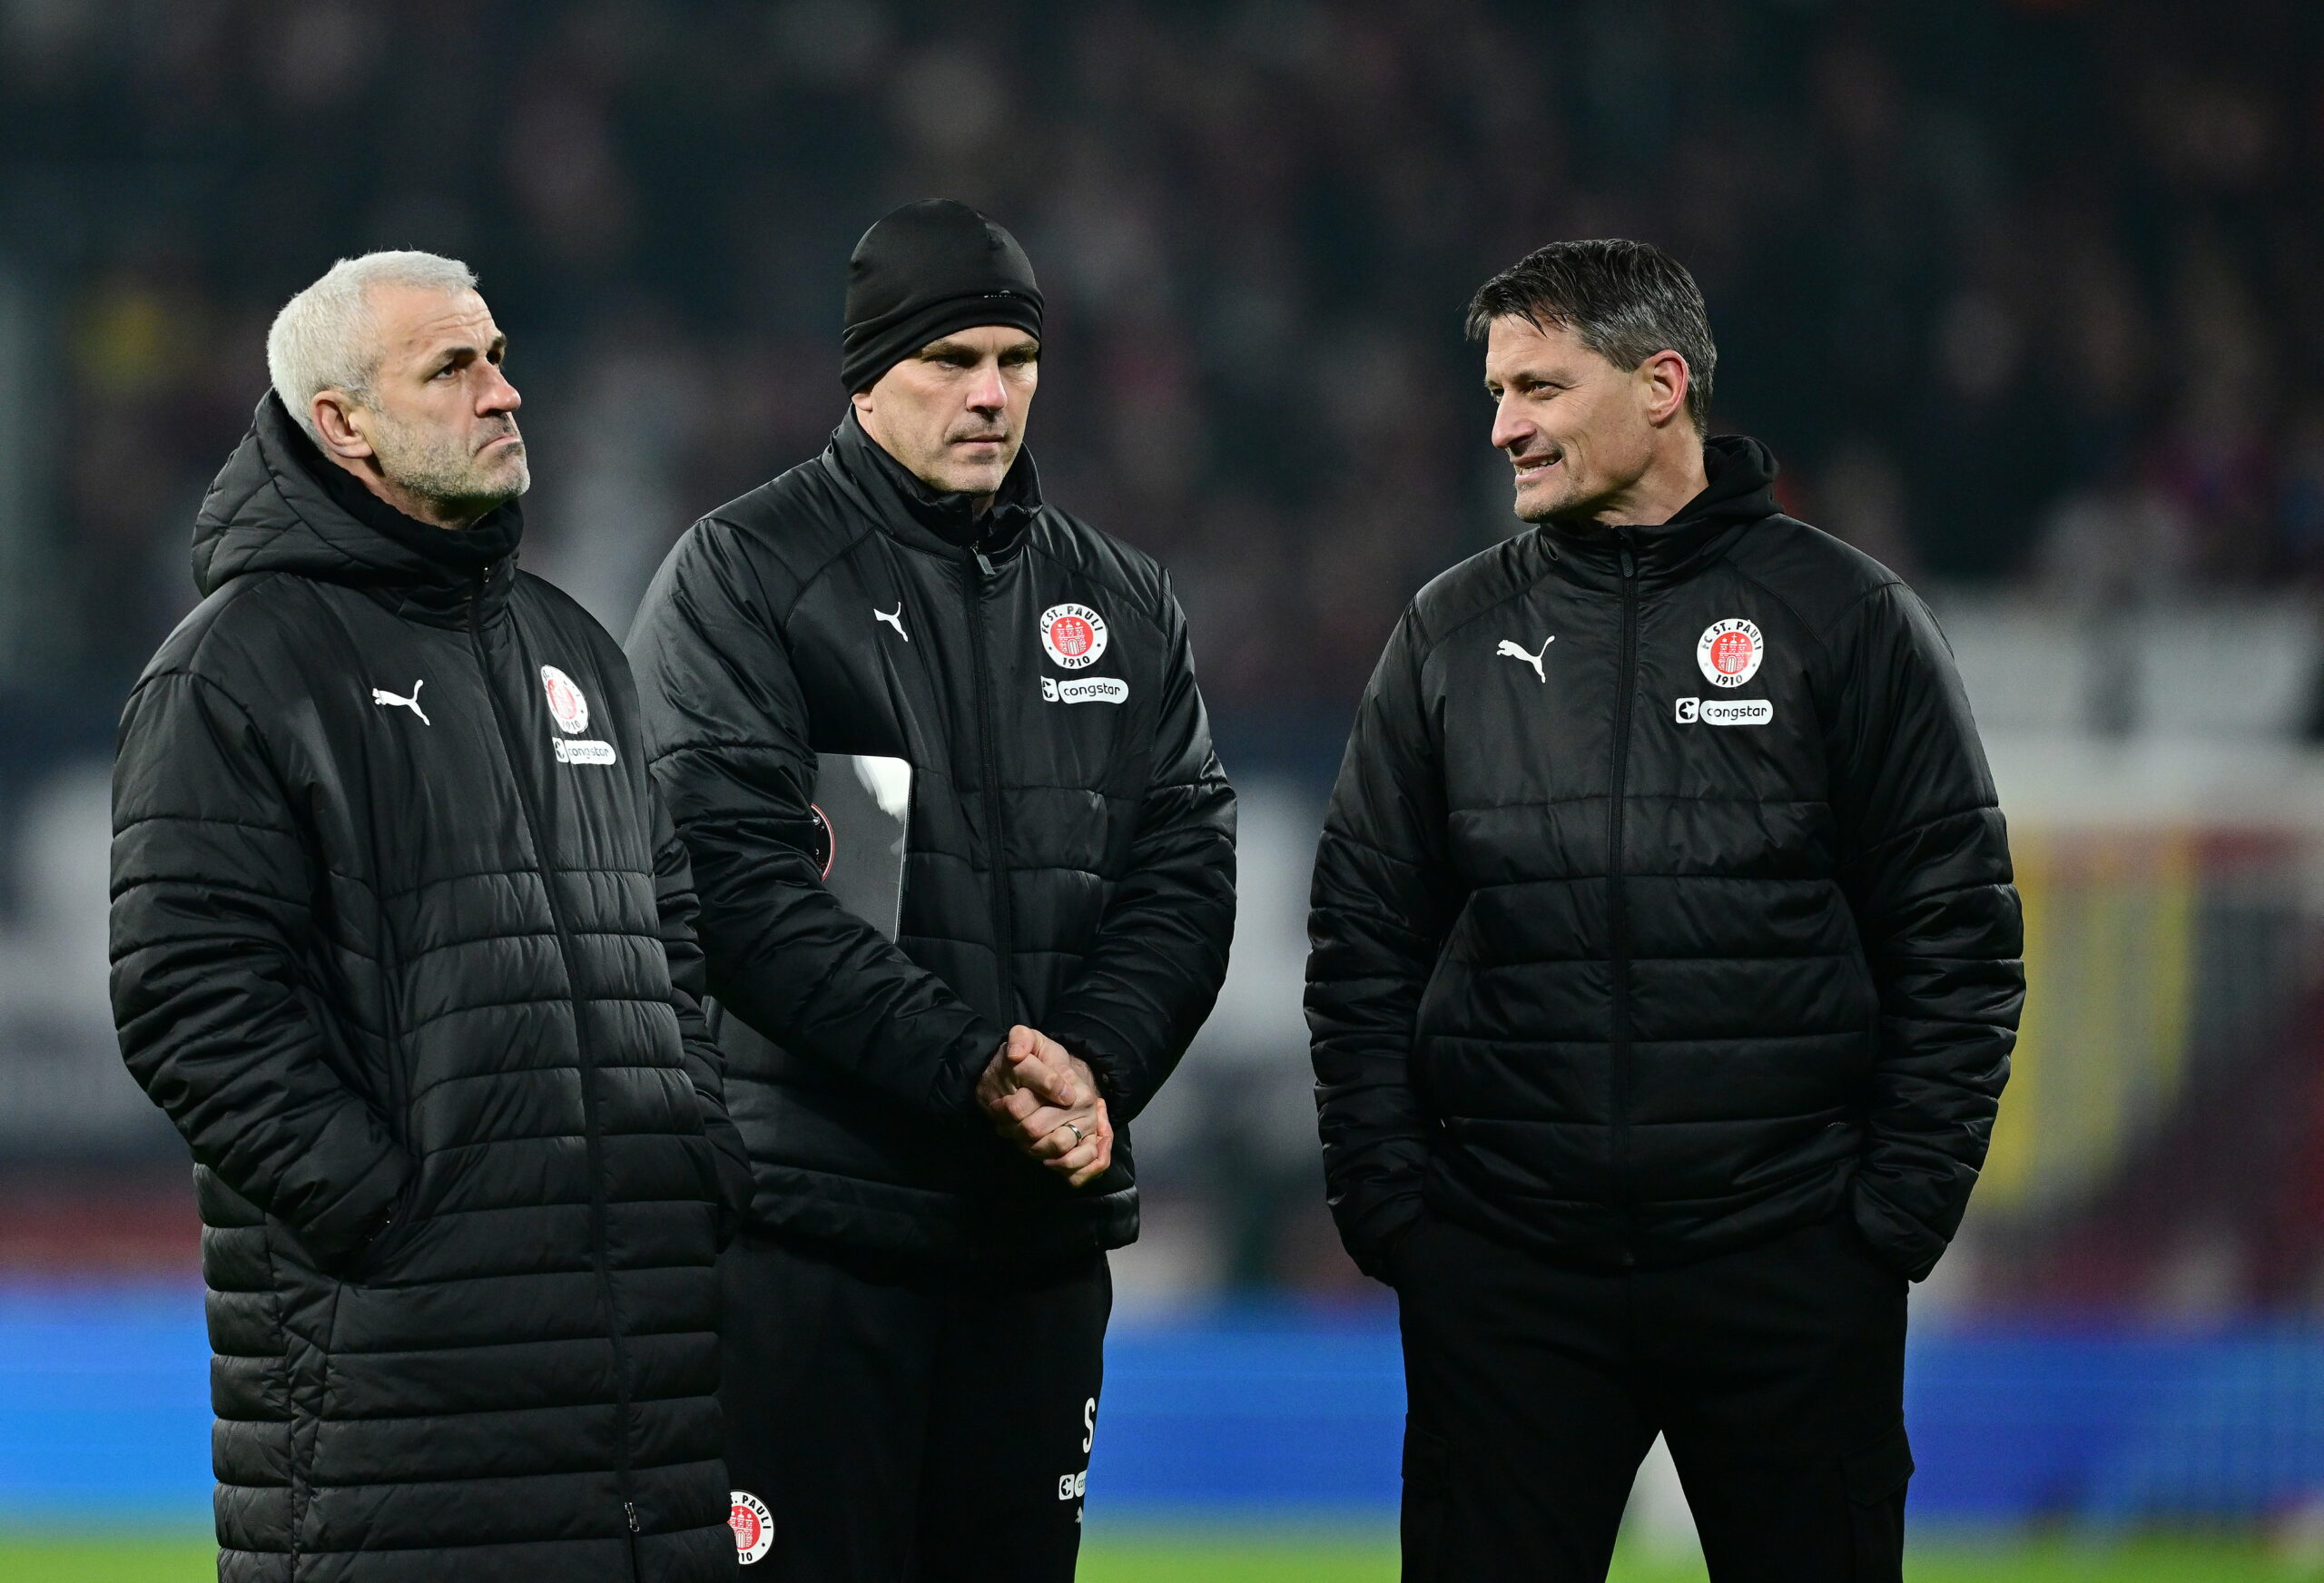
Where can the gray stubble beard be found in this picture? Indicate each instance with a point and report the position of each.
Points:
(444, 475)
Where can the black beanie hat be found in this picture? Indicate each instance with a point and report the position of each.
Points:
(924, 271)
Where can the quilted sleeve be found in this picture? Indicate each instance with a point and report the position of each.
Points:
(1926, 862)
(726, 730)
(1152, 971)
(706, 1064)
(212, 885)
(1380, 911)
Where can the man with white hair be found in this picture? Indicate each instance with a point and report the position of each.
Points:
(402, 942)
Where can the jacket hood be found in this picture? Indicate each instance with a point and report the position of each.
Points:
(278, 506)
(930, 518)
(1740, 491)
(1742, 486)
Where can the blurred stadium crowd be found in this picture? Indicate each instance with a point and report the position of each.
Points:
(2016, 290)
(2021, 291)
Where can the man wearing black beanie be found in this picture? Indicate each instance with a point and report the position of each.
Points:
(926, 270)
(934, 1067)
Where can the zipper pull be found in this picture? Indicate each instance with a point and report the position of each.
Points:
(984, 563)
(631, 1507)
(1630, 562)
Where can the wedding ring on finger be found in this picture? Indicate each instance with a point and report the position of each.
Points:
(1075, 1129)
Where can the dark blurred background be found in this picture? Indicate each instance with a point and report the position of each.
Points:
(2023, 294)
(1969, 263)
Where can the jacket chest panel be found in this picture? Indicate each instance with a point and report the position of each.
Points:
(572, 734)
(1725, 707)
(874, 656)
(438, 762)
(1077, 675)
(910, 657)
(1525, 694)
(1694, 704)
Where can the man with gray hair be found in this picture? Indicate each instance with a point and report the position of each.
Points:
(402, 942)
(1665, 974)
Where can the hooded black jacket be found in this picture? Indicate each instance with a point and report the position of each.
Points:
(1069, 863)
(401, 939)
(1631, 965)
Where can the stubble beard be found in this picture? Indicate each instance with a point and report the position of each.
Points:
(1580, 503)
(441, 469)
(966, 478)
(1567, 504)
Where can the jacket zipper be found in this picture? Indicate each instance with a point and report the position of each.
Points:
(998, 832)
(513, 746)
(1618, 904)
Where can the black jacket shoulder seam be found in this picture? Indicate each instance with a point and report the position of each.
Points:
(215, 685)
(1814, 635)
(1477, 615)
(1115, 583)
(1853, 605)
(822, 570)
(244, 586)
(856, 534)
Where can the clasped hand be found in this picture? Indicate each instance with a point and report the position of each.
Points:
(1043, 1099)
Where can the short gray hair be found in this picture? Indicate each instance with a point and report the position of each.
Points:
(328, 339)
(1625, 300)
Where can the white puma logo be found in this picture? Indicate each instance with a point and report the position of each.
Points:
(894, 618)
(1534, 660)
(381, 696)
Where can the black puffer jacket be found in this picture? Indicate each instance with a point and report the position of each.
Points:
(399, 931)
(1663, 904)
(1070, 862)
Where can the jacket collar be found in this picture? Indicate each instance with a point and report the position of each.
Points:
(1740, 493)
(938, 523)
(279, 505)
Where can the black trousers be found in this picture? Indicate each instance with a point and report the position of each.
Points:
(906, 1422)
(1535, 1389)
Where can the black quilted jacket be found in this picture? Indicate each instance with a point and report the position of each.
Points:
(1663, 904)
(401, 943)
(1071, 855)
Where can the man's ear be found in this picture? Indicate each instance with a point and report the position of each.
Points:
(335, 422)
(1665, 379)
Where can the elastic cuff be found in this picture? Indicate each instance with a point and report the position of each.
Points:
(954, 1092)
(1899, 1242)
(339, 1236)
(1371, 1237)
(1111, 1069)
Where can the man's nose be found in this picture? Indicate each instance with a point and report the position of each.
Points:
(988, 393)
(1510, 429)
(497, 394)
